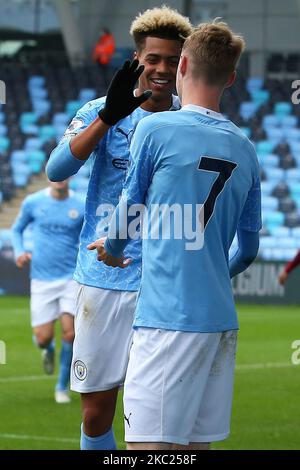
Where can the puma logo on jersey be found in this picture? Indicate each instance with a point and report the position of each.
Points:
(128, 136)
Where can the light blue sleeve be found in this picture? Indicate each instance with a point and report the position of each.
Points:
(23, 219)
(62, 164)
(135, 189)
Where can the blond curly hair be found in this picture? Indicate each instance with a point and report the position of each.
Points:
(164, 22)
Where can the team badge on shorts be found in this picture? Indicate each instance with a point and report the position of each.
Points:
(73, 214)
(80, 370)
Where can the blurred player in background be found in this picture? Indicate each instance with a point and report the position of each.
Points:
(288, 268)
(178, 388)
(56, 215)
(103, 129)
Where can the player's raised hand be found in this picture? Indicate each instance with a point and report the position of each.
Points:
(105, 257)
(23, 259)
(120, 100)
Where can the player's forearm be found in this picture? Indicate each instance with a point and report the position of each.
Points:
(84, 143)
(246, 253)
(17, 241)
(62, 164)
(293, 263)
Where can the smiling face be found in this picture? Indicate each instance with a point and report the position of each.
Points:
(160, 58)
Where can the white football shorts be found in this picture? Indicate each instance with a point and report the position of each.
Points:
(179, 385)
(103, 337)
(50, 299)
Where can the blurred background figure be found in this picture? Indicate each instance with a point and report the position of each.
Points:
(103, 52)
(56, 216)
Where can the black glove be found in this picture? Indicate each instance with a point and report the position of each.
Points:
(120, 101)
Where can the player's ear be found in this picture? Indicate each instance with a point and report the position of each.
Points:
(135, 55)
(231, 80)
(183, 64)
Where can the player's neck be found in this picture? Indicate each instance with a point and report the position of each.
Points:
(201, 95)
(60, 195)
(154, 106)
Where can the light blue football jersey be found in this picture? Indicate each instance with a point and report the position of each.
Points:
(108, 166)
(189, 159)
(56, 226)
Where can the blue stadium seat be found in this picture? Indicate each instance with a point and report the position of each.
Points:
(295, 147)
(33, 143)
(270, 120)
(36, 156)
(267, 187)
(275, 174)
(36, 81)
(265, 147)
(269, 203)
(260, 96)
(275, 134)
(18, 156)
(292, 135)
(279, 232)
(268, 242)
(294, 189)
(254, 83)
(2, 117)
(248, 109)
(61, 119)
(41, 107)
(28, 118)
(288, 121)
(295, 233)
(38, 93)
(287, 242)
(29, 129)
(283, 108)
(47, 132)
(87, 94)
(4, 143)
(269, 161)
(273, 219)
(292, 174)
(3, 130)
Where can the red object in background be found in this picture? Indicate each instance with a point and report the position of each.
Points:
(104, 49)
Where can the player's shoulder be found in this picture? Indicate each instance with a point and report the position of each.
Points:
(157, 121)
(37, 196)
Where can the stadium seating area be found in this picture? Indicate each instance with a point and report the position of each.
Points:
(36, 115)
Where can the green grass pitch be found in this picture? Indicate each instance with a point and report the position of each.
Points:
(266, 395)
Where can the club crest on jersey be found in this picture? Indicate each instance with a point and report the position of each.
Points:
(73, 214)
(80, 370)
(74, 125)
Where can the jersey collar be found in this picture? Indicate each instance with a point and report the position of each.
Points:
(205, 111)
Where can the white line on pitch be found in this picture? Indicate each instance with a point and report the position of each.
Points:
(26, 437)
(266, 365)
(28, 378)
